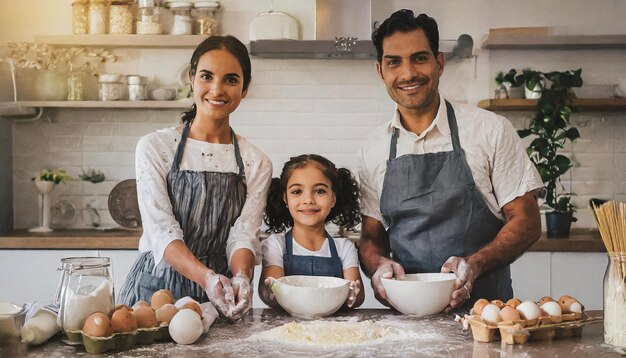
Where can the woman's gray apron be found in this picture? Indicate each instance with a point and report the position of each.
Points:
(206, 205)
(312, 265)
(434, 210)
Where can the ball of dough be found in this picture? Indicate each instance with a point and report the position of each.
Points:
(185, 327)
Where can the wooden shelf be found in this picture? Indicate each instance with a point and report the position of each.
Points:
(139, 41)
(522, 104)
(6, 106)
(545, 38)
(115, 239)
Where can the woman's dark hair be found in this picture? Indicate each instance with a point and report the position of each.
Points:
(228, 43)
(405, 21)
(345, 213)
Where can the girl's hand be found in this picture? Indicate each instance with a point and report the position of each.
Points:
(270, 282)
(243, 293)
(355, 288)
(220, 292)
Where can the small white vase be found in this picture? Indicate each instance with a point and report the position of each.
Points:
(534, 94)
(44, 187)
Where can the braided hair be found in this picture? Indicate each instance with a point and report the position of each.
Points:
(345, 213)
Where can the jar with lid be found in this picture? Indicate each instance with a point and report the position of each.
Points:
(136, 88)
(181, 19)
(615, 300)
(148, 18)
(98, 16)
(85, 287)
(120, 18)
(205, 22)
(80, 20)
(111, 87)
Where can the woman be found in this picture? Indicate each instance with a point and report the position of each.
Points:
(202, 192)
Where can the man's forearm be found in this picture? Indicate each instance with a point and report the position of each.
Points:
(374, 245)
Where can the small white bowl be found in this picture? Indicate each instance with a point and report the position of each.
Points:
(420, 294)
(311, 296)
(164, 94)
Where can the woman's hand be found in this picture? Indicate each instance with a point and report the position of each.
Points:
(355, 288)
(243, 293)
(220, 292)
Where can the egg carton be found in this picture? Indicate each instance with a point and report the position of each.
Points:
(520, 331)
(120, 341)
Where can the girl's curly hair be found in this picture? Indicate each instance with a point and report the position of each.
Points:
(345, 213)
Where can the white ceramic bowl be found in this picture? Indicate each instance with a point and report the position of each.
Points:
(420, 294)
(311, 296)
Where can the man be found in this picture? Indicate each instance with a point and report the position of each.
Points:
(445, 188)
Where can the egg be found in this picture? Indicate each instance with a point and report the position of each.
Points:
(508, 313)
(146, 317)
(186, 327)
(166, 313)
(97, 324)
(141, 303)
(528, 310)
(490, 314)
(572, 306)
(194, 306)
(498, 303)
(161, 297)
(513, 302)
(551, 308)
(180, 302)
(544, 299)
(479, 305)
(123, 320)
(564, 298)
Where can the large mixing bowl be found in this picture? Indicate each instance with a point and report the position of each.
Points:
(311, 296)
(420, 294)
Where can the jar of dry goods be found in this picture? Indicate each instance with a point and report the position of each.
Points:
(615, 300)
(181, 17)
(148, 18)
(120, 18)
(205, 22)
(136, 88)
(98, 17)
(111, 87)
(80, 20)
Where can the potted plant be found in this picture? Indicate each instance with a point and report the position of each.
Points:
(509, 85)
(550, 124)
(45, 181)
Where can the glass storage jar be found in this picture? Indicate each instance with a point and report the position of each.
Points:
(111, 87)
(98, 17)
(204, 22)
(615, 300)
(120, 18)
(137, 90)
(148, 18)
(80, 20)
(181, 17)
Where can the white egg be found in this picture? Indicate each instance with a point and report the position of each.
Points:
(186, 327)
(551, 308)
(529, 310)
(576, 307)
(182, 301)
(490, 314)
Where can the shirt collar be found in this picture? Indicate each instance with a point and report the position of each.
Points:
(440, 122)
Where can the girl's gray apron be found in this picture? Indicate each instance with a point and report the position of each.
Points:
(434, 210)
(312, 265)
(206, 205)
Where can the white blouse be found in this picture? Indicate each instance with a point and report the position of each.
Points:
(153, 160)
(495, 154)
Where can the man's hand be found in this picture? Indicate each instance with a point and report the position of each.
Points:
(466, 274)
(243, 294)
(386, 269)
(220, 292)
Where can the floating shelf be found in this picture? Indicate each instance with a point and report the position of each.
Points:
(138, 41)
(9, 109)
(544, 38)
(586, 104)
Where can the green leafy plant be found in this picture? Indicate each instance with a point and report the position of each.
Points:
(92, 175)
(57, 176)
(550, 124)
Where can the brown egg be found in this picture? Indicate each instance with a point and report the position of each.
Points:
(572, 306)
(498, 303)
(123, 320)
(564, 298)
(479, 305)
(161, 297)
(166, 313)
(545, 299)
(141, 303)
(513, 302)
(194, 306)
(145, 316)
(508, 313)
(97, 324)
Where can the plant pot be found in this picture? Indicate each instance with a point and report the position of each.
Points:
(534, 94)
(558, 224)
(515, 92)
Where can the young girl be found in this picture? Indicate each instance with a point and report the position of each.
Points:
(310, 192)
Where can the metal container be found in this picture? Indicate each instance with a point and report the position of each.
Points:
(137, 90)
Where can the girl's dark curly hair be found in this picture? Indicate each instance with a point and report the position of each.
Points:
(345, 213)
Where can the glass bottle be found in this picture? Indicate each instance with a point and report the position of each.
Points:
(98, 17)
(120, 18)
(181, 22)
(205, 22)
(80, 20)
(615, 300)
(74, 85)
(148, 18)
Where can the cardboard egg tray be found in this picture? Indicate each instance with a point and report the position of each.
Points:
(520, 331)
(120, 341)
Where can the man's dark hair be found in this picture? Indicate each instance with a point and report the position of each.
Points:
(405, 21)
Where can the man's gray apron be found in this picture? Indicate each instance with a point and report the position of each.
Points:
(206, 205)
(434, 210)
(312, 265)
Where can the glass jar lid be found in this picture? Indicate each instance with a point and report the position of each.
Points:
(145, 3)
(207, 5)
(178, 4)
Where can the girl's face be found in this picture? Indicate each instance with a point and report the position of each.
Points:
(217, 84)
(309, 196)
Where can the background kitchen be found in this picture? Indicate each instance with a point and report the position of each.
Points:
(302, 105)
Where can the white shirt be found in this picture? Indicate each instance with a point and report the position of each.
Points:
(494, 152)
(153, 160)
(274, 249)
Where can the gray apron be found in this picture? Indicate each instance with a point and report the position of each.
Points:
(206, 205)
(312, 265)
(434, 210)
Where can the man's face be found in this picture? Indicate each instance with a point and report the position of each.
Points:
(410, 70)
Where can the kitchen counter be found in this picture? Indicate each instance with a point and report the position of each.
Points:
(438, 336)
(580, 240)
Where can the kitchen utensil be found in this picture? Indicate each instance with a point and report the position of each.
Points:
(274, 25)
(420, 294)
(123, 204)
(311, 296)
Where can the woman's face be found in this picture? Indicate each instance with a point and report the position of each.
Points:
(309, 196)
(217, 84)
